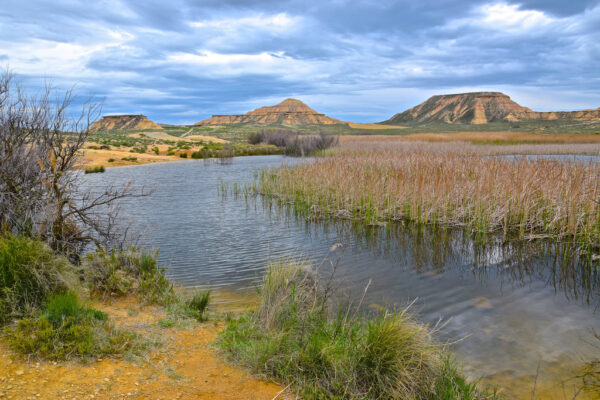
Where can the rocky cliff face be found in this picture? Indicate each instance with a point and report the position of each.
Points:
(481, 108)
(288, 112)
(124, 122)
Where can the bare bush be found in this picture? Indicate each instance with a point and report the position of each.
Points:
(40, 146)
(294, 143)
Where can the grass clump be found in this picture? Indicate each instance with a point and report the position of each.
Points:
(95, 170)
(196, 306)
(66, 329)
(132, 159)
(116, 273)
(295, 337)
(30, 272)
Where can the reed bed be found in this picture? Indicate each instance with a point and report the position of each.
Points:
(466, 144)
(442, 185)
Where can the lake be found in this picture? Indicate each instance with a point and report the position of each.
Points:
(507, 308)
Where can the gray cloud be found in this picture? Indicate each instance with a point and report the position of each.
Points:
(183, 60)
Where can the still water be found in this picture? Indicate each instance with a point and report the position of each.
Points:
(509, 310)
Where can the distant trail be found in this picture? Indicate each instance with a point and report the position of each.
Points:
(187, 133)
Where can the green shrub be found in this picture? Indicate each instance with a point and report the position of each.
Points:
(155, 150)
(183, 155)
(293, 337)
(170, 153)
(66, 305)
(111, 160)
(94, 170)
(116, 273)
(67, 330)
(29, 273)
(129, 158)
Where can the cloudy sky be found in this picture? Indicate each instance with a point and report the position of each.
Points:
(179, 61)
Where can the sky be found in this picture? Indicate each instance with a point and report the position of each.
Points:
(180, 61)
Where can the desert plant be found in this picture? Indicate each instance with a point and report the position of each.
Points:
(183, 155)
(111, 160)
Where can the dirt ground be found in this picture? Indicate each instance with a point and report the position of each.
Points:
(184, 366)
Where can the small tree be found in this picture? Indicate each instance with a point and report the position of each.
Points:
(40, 147)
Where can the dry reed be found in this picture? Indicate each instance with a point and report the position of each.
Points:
(442, 185)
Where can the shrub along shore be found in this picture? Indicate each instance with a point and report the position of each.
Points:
(296, 336)
(44, 299)
(440, 186)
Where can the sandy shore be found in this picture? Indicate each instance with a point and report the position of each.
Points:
(185, 366)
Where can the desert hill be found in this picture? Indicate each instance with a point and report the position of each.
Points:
(288, 112)
(481, 108)
(124, 122)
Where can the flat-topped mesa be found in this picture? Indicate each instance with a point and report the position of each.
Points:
(288, 112)
(480, 108)
(124, 122)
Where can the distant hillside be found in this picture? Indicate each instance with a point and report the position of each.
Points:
(481, 108)
(288, 112)
(124, 122)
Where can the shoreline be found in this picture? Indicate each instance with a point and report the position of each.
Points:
(185, 365)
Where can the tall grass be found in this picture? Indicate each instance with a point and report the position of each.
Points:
(440, 186)
(298, 337)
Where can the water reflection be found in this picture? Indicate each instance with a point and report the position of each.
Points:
(519, 304)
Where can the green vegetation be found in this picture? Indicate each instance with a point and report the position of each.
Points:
(117, 273)
(197, 305)
(95, 170)
(132, 159)
(41, 308)
(66, 329)
(294, 337)
(111, 160)
(30, 272)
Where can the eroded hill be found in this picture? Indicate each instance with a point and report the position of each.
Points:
(124, 122)
(481, 108)
(288, 112)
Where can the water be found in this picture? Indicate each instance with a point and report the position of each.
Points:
(509, 308)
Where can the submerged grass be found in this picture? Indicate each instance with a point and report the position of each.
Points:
(296, 337)
(439, 185)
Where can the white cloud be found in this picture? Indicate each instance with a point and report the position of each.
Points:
(219, 64)
(510, 18)
(278, 23)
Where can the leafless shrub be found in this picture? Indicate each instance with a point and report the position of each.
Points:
(294, 143)
(40, 143)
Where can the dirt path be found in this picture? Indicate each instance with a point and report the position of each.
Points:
(186, 366)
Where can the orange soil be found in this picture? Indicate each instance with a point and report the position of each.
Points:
(186, 366)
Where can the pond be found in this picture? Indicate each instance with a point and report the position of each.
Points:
(511, 310)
